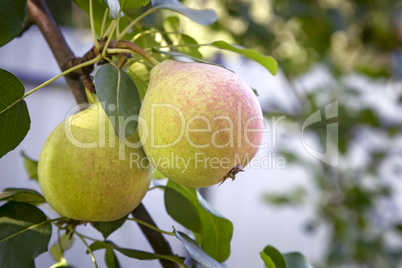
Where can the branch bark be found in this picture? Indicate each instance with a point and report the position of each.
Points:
(156, 239)
(40, 15)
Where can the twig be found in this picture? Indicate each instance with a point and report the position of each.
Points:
(151, 226)
(155, 238)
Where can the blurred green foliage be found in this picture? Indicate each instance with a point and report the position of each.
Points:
(343, 37)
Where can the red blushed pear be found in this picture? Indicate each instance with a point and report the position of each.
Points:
(199, 124)
(85, 172)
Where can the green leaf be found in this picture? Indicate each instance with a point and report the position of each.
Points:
(275, 256)
(132, 253)
(24, 234)
(269, 263)
(130, 4)
(267, 61)
(119, 98)
(171, 24)
(196, 252)
(203, 17)
(14, 121)
(184, 39)
(57, 250)
(12, 16)
(61, 264)
(22, 195)
(296, 260)
(106, 228)
(184, 208)
(31, 166)
(180, 54)
(111, 259)
(172, 27)
(140, 75)
(212, 230)
(157, 175)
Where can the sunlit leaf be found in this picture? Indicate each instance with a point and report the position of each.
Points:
(130, 4)
(64, 243)
(267, 61)
(171, 24)
(267, 260)
(22, 195)
(119, 98)
(204, 17)
(195, 251)
(157, 175)
(12, 15)
(61, 264)
(24, 234)
(31, 166)
(275, 257)
(14, 120)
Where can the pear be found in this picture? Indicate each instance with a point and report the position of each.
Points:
(199, 124)
(85, 172)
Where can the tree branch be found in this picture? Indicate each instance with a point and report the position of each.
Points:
(156, 239)
(40, 15)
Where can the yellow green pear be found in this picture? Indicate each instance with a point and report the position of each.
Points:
(199, 123)
(85, 172)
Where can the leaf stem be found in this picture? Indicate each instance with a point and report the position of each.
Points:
(58, 241)
(187, 45)
(93, 61)
(138, 50)
(140, 17)
(86, 245)
(87, 237)
(118, 20)
(91, 18)
(104, 21)
(31, 227)
(153, 32)
(151, 227)
(108, 31)
(109, 39)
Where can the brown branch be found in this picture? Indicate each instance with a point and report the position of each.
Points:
(156, 239)
(135, 48)
(40, 15)
(84, 73)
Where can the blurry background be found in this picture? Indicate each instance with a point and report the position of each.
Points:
(346, 55)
